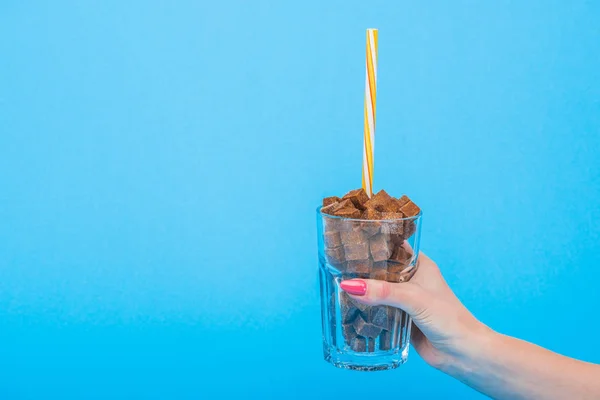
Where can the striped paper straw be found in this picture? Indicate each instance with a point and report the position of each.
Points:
(370, 96)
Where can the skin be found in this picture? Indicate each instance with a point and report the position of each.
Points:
(449, 338)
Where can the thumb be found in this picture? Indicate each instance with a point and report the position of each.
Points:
(407, 296)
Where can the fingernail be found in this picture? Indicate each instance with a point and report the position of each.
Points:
(354, 286)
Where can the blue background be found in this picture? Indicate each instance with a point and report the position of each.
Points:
(160, 163)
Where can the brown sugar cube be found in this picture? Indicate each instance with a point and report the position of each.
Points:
(384, 202)
(395, 277)
(344, 204)
(380, 247)
(371, 345)
(393, 205)
(400, 256)
(409, 229)
(332, 239)
(385, 340)
(341, 267)
(394, 267)
(359, 266)
(331, 209)
(395, 315)
(380, 317)
(362, 307)
(380, 265)
(344, 225)
(398, 239)
(347, 209)
(372, 214)
(410, 209)
(370, 227)
(379, 274)
(399, 265)
(359, 344)
(346, 297)
(329, 224)
(328, 209)
(379, 201)
(335, 255)
(336, 224)
(403, 200)
(366, 329)
(353, 237)
(348, 311)
(382, 196)
(348, 213)
(391, 215)
(348, 332)
(343, 209)
(347, 304)
(330, 200)
(359, 251)
(394, 223)
(355, 275)
(358, 197)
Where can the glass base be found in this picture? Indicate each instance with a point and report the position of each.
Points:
(365, 361)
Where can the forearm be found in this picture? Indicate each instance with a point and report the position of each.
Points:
(503, 367)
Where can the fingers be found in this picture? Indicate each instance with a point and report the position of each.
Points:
(407, 296)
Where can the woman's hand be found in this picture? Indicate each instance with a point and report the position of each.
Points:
(443, 325)
(450, 338)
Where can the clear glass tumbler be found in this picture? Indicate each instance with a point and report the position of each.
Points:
(356, 336)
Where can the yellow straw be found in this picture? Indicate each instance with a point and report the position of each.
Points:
(370, 106)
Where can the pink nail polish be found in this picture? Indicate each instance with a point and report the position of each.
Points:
(354, 286)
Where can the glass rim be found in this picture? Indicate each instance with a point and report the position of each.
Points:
(368, 220)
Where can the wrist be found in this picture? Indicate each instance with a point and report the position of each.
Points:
(466, 352)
